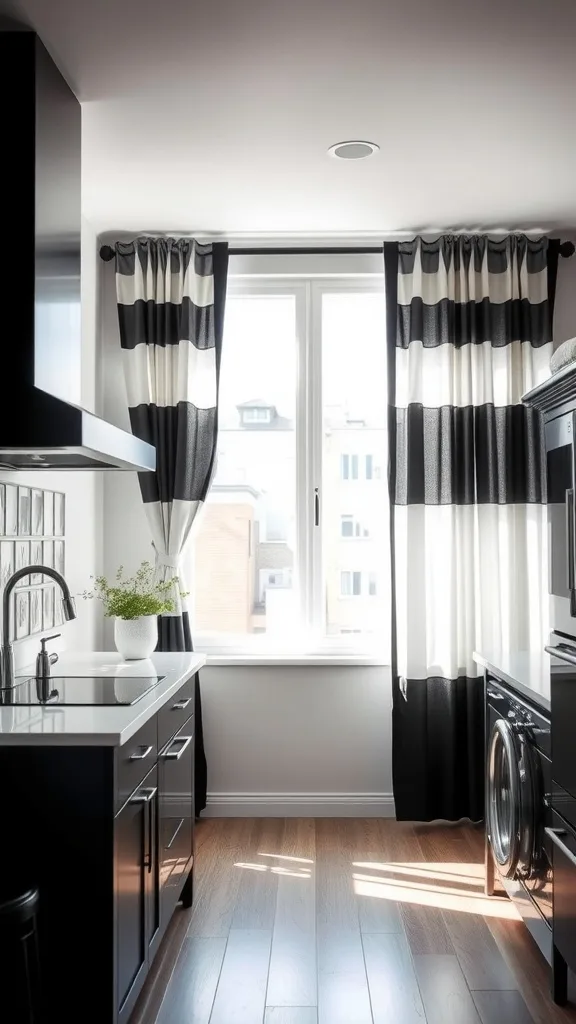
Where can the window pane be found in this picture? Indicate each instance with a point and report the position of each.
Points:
(347, 526)
(245, 543)
(354, 396)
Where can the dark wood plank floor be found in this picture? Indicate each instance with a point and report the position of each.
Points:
(345, 921)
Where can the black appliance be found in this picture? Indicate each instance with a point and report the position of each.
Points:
(518, 811)
(556, 400)
(562, 829)
(88, 691)
(41, 424)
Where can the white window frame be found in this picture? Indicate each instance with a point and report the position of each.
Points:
(308, 289)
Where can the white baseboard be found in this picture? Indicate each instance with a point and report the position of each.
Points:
(299, 805)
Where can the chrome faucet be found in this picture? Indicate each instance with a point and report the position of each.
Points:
(7, 651)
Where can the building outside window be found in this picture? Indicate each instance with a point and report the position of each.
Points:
(271, 566)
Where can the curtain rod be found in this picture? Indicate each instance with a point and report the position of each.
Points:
(566, 249)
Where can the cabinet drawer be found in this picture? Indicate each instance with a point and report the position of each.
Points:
(135, 759)
(175, 712)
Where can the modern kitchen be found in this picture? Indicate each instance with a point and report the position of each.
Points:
(287, 523)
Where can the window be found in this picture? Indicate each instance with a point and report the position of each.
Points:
(350, 584)
(256, 414)
(302, 427)
(349, 466)
(350, 527)
(357, 584)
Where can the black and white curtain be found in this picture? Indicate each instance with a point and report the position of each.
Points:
(469, 331)
(171, 295)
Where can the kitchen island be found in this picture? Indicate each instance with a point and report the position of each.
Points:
(98, 813)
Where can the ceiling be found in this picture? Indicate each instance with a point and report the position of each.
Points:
(216, 116)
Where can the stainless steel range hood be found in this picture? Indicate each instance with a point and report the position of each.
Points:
(41, 423)
(47, 433)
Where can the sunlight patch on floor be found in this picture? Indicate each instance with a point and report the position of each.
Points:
(285, 856)
(463, 874)
(428, 893)
(274, 869)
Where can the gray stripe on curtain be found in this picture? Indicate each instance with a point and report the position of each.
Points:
(466, 487)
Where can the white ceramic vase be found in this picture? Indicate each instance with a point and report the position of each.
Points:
(136, 638)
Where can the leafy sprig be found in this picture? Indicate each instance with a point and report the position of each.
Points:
(129, 597)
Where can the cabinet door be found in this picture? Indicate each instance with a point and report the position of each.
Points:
(176, 808)
(135, 866)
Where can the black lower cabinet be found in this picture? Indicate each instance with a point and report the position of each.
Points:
(137, 891)
(107, 836)
(176, 817)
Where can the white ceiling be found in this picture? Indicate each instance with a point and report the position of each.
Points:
(215, 116)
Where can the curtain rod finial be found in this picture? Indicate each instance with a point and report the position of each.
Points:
(567, 249)
(106, 253)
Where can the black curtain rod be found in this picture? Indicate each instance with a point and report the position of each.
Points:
(107, 253)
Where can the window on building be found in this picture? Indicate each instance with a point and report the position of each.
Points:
(350, 584)
(352, 528)
(349, 465)
(256, 414)
(272, 565)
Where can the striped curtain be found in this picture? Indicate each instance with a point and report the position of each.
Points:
(171, 295)
(469, 329)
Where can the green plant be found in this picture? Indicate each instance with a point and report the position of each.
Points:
(129, 597)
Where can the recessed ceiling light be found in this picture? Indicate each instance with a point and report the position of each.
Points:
(355, 149)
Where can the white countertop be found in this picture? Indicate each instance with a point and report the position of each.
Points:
(528, 672)
(59, 725)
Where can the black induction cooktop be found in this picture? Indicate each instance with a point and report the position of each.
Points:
(81, 691)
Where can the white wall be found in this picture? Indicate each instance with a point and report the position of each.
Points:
(83, 490)
(298, 741)
(279, 740)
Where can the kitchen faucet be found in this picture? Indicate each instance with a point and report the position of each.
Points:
(7, 651)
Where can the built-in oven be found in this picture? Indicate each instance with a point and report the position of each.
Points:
(518, 812)
(560, 486)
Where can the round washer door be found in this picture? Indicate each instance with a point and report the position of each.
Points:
(503, 797)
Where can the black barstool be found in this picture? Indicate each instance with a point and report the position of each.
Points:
(19, 956)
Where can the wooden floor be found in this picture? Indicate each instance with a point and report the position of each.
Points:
(345, 921)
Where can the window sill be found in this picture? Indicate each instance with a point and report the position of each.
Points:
(296, 660)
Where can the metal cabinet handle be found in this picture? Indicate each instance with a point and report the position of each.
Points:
(144, 796)
(180, 823)
(175, 755)
(181, 704)
(144, 751)
(562, 654)
(554, 834)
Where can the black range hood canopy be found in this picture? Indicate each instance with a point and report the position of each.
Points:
(41, 423)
